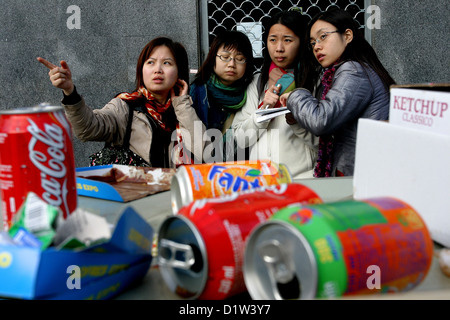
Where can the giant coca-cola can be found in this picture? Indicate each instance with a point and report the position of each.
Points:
(36, 155)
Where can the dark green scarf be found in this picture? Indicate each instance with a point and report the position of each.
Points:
(232, 97)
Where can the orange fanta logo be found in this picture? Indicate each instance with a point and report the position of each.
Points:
(229, 179)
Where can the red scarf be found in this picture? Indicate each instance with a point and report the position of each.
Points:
(161, 113)
(156, 110)
(326, 142)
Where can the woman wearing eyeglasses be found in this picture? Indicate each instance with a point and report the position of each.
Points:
(219, 90)
(354, 84)
(275, 139)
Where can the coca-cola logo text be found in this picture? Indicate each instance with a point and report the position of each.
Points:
(49, 159)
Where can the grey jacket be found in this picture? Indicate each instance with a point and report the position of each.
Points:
(356, 92)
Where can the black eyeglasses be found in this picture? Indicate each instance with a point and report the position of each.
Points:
(239, 60)
(320, 39)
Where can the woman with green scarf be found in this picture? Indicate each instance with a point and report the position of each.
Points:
(219, 90)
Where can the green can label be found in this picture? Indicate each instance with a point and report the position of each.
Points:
(349, 237)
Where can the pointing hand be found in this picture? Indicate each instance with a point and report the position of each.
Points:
(61, 77)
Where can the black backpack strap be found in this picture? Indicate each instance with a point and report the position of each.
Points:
(126, 139)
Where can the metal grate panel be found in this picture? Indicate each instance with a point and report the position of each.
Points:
(250, 15)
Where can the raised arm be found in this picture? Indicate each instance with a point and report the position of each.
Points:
(61, 77)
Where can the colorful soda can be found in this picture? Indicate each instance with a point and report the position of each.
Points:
(36, 155)
(198, 181)
(328, 250)
(201, 249)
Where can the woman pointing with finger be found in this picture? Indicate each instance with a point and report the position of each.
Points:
(162, 118)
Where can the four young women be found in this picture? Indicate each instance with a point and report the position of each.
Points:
(317, 137)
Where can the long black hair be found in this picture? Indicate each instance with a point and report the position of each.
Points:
(358, 49)
(297, 23)
(231, 40)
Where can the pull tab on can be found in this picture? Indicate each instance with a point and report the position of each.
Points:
(182, 259)
(176, 255)
(281, 269)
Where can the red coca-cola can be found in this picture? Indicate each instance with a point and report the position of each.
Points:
(36, 155)
(201, 248)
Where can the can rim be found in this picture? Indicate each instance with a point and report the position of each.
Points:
(180, 193)
(252, 281)
(42, 108)
(165, 273)
(284, 171)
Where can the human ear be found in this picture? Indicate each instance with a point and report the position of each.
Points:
(348, 36)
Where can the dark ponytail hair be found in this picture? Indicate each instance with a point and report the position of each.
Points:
(358, 49)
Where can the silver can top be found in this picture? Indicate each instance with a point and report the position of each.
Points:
(40, 108)
(180, 190)
(279, 263)
(182, 257)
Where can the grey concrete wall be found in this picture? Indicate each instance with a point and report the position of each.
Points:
(102, 54)
(413, 41)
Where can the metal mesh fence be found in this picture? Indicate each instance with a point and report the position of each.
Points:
(249, 16)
